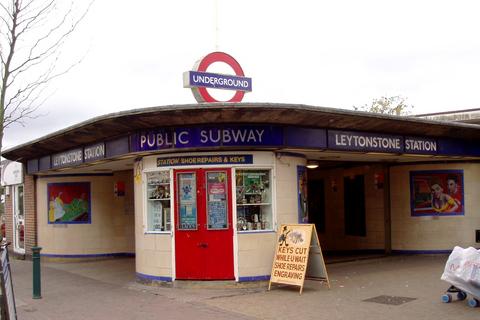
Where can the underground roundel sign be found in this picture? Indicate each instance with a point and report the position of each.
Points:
(199, 80)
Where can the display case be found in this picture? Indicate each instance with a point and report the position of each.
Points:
(253, 200)
(158, 201)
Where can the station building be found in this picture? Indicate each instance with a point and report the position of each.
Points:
(199, 191)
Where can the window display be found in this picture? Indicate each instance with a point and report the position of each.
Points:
(254, 207)
(158, 201)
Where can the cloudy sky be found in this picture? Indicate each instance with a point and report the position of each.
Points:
(324, 53)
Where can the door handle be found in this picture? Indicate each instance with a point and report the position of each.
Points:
(202, 245)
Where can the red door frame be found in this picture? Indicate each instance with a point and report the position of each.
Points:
(203, 253)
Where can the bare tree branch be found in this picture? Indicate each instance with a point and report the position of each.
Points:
(30, 49)
(6, 10)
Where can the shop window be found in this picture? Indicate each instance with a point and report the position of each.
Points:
(354, 202)
(254, 200)
(158, 201)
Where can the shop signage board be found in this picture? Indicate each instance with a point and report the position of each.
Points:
(12, 173)
(205, 160)
(298, 256)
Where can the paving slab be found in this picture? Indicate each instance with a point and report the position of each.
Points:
(395, 287)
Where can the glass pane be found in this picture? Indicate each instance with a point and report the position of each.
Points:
(187, 201)
(158, 201)
(20, 201)
(253, 193)
(217, 216)
(155, 209)
(21, 236)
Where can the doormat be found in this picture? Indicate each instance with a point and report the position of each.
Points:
(390, 300)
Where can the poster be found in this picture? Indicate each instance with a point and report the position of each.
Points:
(217, 215)
(217, 200)
(302, 194)
(437, 193)
(252, 182)
(69, 203)
(187, 201)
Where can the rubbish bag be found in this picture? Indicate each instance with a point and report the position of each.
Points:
(463, 270)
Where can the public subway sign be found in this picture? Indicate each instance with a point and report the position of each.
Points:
(199, 79)
(197, 137)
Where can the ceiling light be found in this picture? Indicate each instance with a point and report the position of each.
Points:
(312, 164)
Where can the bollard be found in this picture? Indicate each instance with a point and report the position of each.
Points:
(37, 287)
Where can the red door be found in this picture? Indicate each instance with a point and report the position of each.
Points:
(203, 224)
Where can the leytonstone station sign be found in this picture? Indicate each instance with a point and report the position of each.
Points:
(199, 79)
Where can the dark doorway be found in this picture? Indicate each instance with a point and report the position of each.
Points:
(354, 204)
(316, 204)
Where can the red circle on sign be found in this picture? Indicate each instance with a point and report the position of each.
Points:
(220, 57)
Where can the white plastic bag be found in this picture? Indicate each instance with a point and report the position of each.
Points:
(463, 270)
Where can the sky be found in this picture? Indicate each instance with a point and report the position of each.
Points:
(337, 54)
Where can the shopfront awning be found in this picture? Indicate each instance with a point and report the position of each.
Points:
(120, 124)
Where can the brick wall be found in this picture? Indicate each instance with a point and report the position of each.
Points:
(30, 214)
(8, 215)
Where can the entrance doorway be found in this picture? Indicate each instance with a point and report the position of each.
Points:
(316, 204)
(203, 228)
(18, 220)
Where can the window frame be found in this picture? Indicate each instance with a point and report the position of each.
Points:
(146, 202)
(271, 204)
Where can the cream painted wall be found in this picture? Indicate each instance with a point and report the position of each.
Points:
(286, 188)
(334, 238)
(153, 251)
(434, 233)
(111, 229)
(256, 250)
(255, 253)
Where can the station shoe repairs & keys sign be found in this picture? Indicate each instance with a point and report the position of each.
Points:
(298, 256)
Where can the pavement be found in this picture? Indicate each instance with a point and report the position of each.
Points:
(397, 287)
